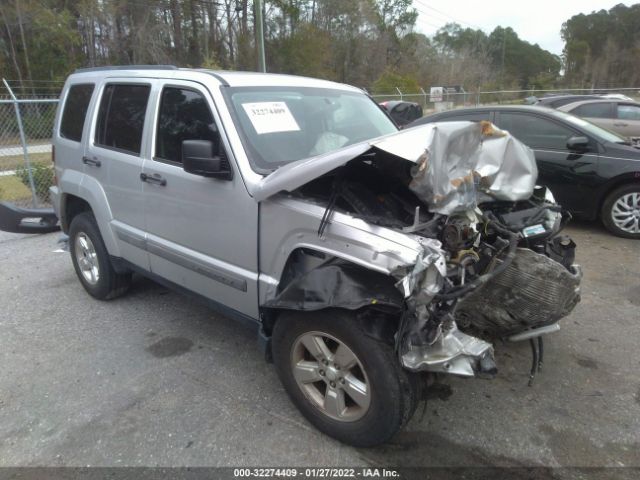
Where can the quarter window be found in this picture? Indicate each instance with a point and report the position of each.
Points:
(184, 115)
(629, 112)
(536, 132)
(121, 117)
(593, 110)
(75, 111)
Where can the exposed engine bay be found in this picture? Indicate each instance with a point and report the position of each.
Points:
(494, 264)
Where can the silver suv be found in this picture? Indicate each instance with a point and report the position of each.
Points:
(367, 258)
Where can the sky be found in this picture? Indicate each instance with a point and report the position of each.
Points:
(536, 22)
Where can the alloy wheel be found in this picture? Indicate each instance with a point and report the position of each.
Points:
(625, 212)
(331, 376)
(87, 258)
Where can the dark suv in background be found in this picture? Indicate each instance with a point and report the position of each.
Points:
(592, 172)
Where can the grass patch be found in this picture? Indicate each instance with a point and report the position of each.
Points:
(12, 189)
(11, 162)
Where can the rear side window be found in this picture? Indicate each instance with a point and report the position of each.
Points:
(593, 110)
(184, 115)
(629, 112)
(75, 111)
(121, 117)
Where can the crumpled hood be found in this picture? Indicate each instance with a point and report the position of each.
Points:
(452, 160)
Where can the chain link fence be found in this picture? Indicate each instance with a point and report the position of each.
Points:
(26, 168)
(27, 115)
(473, 99)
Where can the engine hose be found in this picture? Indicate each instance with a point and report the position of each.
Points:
(514, 238)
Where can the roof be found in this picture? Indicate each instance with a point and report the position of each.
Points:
(227, 78)
(528, 108)
(570, 106)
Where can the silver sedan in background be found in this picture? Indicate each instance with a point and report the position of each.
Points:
(620, 116)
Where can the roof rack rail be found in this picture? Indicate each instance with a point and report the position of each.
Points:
(127, 67)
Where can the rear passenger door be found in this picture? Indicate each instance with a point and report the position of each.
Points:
(202, 233)
(627, 122)
(115, 156)
(600, 113)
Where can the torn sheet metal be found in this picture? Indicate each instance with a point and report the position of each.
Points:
(457, 160)
(452, 352)
(506, 167)
(337, 283)
(453, 161)
(425, 278)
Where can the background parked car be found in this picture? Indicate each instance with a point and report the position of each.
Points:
(402, 112)
(557, 101)
(620, 116)
(592, 172)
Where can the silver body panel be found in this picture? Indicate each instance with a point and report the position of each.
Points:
(202, 233)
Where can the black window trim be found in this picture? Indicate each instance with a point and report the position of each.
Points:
(97, 114)
(64, 106)
(202, 91)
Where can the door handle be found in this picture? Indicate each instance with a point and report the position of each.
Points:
(91, 162)
(156, 179)
(621, 124)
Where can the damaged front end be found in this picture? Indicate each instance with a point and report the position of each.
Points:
(491, 265)
(508, 271)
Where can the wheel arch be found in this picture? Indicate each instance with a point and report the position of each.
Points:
(79, 193)
(631, 178)
(315, 280)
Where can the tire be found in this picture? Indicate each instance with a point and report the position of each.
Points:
(393, 393)
(91, 260)
(620, 205)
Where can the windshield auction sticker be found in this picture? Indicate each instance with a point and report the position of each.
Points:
(271, 117)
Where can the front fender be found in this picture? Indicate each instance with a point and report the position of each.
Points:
(353, 240)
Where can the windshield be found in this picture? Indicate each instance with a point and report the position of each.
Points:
(279, 125)
(594, 130)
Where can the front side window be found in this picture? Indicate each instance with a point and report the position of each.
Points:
(536, 132)
(121, 117)
(593, 110)
(184, 115)
(75, 111)
(279, 125)
(629, 112)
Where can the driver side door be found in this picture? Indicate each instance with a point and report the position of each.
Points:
(201, 232)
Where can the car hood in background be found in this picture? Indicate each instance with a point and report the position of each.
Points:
(452, 159)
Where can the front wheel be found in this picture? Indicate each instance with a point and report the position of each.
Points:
(621, 211)
(346, 383)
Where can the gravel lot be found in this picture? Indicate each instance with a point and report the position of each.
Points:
(154, 379)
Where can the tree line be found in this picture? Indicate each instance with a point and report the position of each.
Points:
(368, 43)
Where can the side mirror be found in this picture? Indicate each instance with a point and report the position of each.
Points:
(198, 158)
(578, 144)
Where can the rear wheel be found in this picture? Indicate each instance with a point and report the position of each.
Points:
(91, 260)
(346, 383)
(621, 211)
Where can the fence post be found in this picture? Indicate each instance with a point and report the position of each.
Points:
(425, 96)
(399, 93)
(23, 140)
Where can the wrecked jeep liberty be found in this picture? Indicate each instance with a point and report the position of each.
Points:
(369, 258)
